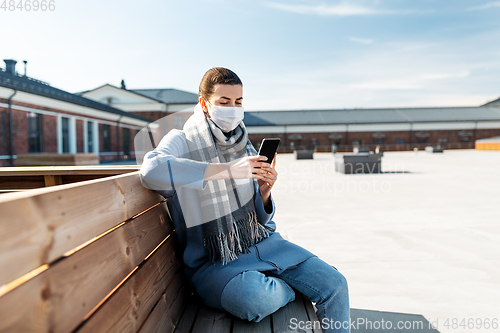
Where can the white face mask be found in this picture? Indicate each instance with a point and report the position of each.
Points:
(227, 117)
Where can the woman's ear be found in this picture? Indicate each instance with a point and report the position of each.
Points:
(203, 104)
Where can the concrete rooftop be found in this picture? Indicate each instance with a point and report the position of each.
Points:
(422, 238)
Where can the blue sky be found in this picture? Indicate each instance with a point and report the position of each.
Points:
(290, 54)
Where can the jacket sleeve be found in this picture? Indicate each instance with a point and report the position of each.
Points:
(264, 216)
(168, 166)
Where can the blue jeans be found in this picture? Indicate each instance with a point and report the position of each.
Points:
(253, 295)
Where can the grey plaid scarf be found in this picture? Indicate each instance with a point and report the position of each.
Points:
(230, 224)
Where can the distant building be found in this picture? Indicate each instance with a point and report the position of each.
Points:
(151, 103)
(495, 103)
(391, 129)
(38, 118)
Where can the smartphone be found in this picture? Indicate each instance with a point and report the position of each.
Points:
(268, 148)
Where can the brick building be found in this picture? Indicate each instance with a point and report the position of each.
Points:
(150, 103)
(38, 118)
(391, 129)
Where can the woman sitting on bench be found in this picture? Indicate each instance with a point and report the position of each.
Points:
(219, 197)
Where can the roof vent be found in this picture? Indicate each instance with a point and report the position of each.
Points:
(10, 66)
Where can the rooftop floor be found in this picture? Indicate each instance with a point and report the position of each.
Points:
(422, 238)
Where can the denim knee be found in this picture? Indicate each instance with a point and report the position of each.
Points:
(253, 296)
(338, 286)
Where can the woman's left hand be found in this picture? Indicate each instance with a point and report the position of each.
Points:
(266, 180)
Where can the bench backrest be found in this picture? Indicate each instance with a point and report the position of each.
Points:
(98, 255)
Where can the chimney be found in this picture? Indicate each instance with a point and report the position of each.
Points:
(10, 66)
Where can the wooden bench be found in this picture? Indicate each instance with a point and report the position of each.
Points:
(56, 159)
(13, 179)
(101, 256)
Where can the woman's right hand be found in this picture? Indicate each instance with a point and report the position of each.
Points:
(243, 168)
(247, 167)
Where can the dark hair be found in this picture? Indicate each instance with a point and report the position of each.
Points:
(214, 76)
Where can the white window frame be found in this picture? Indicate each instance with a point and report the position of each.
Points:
(95, 134)
(72, 134)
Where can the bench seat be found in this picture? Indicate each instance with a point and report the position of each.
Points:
(101, 256)
(198, 318)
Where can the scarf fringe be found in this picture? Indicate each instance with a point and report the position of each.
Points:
(247, 232)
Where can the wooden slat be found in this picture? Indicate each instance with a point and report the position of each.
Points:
(281, 318)
(211, 320)
(188, 318)
(56, 159)
(68, 179)
(128, 307)
(23, 178)
(39, 226)
(21, 182)
(311, 313)
(169, 308)
(52, 180)
(9, 191)
(59, 298)
(244, 326)
(110, 170)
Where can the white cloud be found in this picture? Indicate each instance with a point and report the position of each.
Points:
(341, 9)
(411, 81)
(487, 6)
(361, 40)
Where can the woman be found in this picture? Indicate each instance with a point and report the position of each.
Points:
(218, 192)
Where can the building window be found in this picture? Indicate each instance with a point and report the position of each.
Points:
(35, 132)
(400, 141)
(378, 138)
(126, 142)
(356, 142)
(106, 136)
(422, 137)
(178, 123)
(442, 141)
(90, 137)
(65, 134)
(335, 138)
(295, 141)
(464, 136)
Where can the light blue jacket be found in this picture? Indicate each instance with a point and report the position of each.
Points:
(169, 171)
